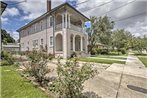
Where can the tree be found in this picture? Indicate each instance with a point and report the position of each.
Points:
(139, 44)
(70, 79)
(100, 31)
(121, 39)
(105, 26)
(6, 38)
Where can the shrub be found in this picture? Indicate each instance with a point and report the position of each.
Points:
(70, 79)
(7, 58)
(51, 56)
(98, 51)
(34, 56)
(93, 51)
(74, 54)
(39, 70)
(123, 51)
(38, 67)
(104, 51)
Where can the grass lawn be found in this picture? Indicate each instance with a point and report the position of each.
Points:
(14, 86)
(144, 60)
(101, 61)
(112, 57)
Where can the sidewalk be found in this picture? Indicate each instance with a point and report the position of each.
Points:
(121, 81)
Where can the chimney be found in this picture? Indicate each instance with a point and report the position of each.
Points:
(48, 5)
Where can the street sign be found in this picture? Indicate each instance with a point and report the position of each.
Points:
(88, 24)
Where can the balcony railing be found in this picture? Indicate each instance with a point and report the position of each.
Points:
(72, 27)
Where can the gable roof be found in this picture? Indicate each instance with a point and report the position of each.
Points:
(50, 12)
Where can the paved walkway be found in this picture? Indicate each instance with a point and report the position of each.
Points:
(120, 81)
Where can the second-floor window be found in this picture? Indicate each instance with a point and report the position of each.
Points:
(51, 21)
(51, 41)
(41, 41)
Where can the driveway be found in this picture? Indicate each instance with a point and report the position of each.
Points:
(120, 81)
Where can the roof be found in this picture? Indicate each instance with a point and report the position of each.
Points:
(47, 13)
(3, 6)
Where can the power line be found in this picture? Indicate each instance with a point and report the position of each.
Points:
(119, 7)
(83, 2)
(130, 16)
(98, 6)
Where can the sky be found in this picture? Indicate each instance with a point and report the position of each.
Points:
(130, 15)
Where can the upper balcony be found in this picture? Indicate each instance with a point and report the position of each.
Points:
(69, 21)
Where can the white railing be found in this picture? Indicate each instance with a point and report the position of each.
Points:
(72, 27)
(76, 28)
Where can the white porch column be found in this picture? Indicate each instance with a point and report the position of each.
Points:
(62, 21)
(69, 20)
(66, 20)
(73, 42)
(81, 43)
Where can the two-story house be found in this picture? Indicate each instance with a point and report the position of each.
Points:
(60, 31)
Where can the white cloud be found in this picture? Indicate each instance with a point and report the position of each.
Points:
(4, 20)
(138, 29)
(33, 8)
(11, 12)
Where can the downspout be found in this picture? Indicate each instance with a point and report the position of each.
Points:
(46, 46)
(53, 33)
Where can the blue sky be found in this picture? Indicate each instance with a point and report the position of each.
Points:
(16, 16)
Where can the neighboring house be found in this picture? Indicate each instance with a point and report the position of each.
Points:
(100, 46)
(60, 30)
(11, 47)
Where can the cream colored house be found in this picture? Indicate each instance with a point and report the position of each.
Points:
(60, 30)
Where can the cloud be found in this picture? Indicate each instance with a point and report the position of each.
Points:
(140, 29)
(32, 8)
(4, 20)
(11, 12)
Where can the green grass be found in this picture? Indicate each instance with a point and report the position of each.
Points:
(111, 57)
(14, 86)
(143, 60)
(101, 61)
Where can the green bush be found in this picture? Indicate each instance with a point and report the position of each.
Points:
(93, 51)
(7, 58)
(51, 56)
(98, 51)
(69, 83)
(123, 51)
(105, 51)
(74, 54)
(39, 70)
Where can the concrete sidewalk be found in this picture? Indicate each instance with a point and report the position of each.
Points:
(120, 81)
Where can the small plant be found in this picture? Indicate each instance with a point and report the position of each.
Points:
(7, 58)
(39, 70)
(71, 76)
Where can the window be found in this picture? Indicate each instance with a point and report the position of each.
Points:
(51, 41)
(48, 21)
(51, 21)
(41, 41)
(41, 25)
(35, 43)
